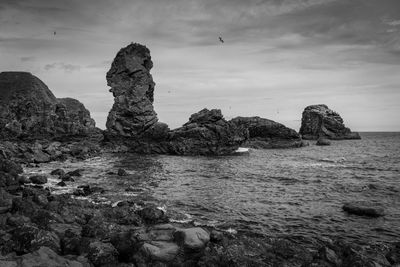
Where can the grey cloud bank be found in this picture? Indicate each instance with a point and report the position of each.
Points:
(278, 56)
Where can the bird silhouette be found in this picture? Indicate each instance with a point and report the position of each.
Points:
(220, 39)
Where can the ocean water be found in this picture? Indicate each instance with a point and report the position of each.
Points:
(291, 192)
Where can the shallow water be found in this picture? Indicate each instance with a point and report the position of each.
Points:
(296, 192)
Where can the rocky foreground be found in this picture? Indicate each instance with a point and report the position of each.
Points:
(41, 229)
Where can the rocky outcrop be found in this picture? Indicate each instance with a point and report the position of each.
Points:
(29, 110)
(206, 133)
(133, 122)
(320, 121)
(264, 133)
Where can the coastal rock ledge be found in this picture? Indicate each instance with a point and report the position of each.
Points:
(133, 123)
(318, 121)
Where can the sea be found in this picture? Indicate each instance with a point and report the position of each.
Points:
(274, 193)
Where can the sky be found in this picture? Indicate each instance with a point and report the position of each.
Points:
(278, 56)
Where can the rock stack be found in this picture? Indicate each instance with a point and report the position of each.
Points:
(132, 86)
(320, 121)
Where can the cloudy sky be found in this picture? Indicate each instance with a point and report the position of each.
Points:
(278, 57)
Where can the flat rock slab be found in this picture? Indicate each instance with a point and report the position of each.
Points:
(160, 250)
(363, 210)
(192, 238)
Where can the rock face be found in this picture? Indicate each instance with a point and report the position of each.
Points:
(29, 110)
(133, 122)
(207, 133)
(133, 89)
(320, 121)
(264, 133)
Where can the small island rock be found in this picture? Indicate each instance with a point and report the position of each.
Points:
(320, 121)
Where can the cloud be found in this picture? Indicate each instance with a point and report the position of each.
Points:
(68, 68)
(26, 59)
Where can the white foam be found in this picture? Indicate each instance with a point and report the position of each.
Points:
(242, 150)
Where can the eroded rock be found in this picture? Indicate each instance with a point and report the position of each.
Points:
(320, 121)
(264, 133)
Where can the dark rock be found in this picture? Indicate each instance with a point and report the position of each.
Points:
(122, 172)
(323, 142)
(18, 220)
(264, 133)
(10, 167)
(126, 243)
(216, 236)
(393, 256)
(102, 254)
(5, 201)
(207, 133)
(29, 237)
(152, 215)
(41, 200)
(363, 209)
(62, 183)
(59, 172)
(85, 190)
(66, 178)
(38, 179)
(320, 121)
(71, 242)
(77, 173)
(29, 110)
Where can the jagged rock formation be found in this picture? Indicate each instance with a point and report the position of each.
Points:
(73, 117)
(133, 89)
(29, 110)
(207, 133)
(133, 122)
(320, 121)
(264, 133)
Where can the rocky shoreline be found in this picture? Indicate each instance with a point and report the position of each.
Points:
(38, 228)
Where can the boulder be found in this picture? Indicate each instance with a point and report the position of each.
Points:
(320, 121)
(206, 133)
(29, 110)
(152, 215)
(192, 238)
(160, 250)
(58, 172)
(122, 172)
(323, 142)
(102, 254)
(264, 133)
(38, 179)
(363, 209)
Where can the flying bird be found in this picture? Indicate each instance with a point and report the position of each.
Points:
(220, 39)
